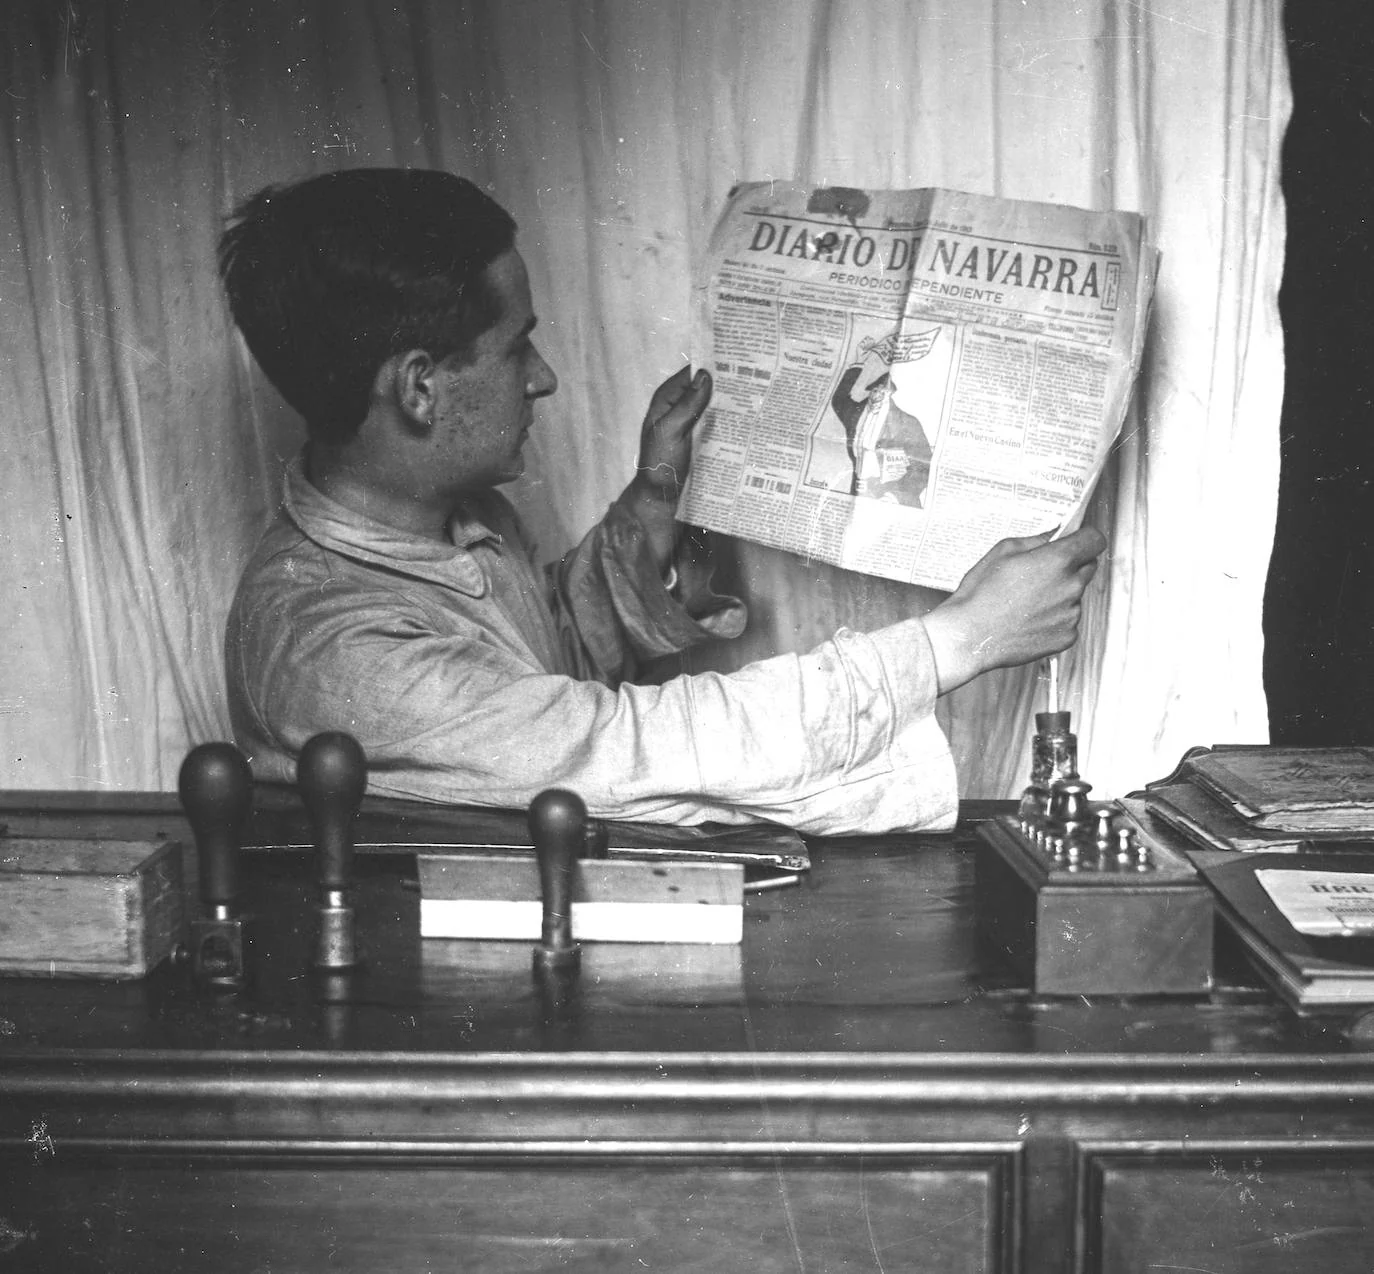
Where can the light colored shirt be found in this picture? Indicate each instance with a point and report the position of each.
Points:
(469, 675)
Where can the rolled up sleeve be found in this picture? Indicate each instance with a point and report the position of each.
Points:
(614, 610)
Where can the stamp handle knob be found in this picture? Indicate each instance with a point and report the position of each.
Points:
(215, 785)
(558, 825)
(331, 774)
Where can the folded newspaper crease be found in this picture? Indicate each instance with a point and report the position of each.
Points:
(902, 378)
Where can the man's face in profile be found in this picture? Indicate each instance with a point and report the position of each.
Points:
(485, 403)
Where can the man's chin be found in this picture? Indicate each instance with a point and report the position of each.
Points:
(512, 471)
(496, 473)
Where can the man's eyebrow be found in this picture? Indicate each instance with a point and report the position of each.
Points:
(530, 324)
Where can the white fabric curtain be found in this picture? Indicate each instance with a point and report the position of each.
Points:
(143, 451)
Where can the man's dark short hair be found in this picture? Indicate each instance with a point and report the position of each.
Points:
(329, 277)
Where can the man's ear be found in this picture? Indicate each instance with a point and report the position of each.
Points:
(408, 381)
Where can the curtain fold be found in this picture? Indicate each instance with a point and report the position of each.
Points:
(145, 450)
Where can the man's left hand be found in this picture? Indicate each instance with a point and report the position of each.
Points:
(665, 442)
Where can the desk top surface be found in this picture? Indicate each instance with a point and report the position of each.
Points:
(873, 955)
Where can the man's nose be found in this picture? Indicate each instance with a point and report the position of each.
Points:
(542, 381)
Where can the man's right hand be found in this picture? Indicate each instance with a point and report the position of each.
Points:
(1021, 601)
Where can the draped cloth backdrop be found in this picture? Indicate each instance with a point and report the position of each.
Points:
(142, 450)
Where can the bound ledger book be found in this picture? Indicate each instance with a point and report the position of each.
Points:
(1261, 798)
(1292, 789)
(1309, 930)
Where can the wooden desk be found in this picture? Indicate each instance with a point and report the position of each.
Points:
(850, 1090)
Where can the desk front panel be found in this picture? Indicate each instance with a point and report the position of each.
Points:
(683, 1208)
(855, 1086)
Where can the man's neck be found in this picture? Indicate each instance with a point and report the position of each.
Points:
(330, 472)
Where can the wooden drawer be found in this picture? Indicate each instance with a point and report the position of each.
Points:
(599, 1212)
(1231, 1210)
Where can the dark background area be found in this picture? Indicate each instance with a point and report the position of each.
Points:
(1319, 606)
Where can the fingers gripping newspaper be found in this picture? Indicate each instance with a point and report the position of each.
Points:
(902, 378)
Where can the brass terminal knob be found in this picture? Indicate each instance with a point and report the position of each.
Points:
(1069, 801)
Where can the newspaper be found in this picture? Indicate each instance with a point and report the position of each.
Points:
(904, 377)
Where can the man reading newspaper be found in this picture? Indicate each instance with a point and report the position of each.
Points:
(395, 596)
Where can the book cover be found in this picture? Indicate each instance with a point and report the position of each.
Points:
(1212, 823)
(1292, 789)
(1309, 971)
(387, 825)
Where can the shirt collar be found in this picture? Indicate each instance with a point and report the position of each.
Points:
(341, 530)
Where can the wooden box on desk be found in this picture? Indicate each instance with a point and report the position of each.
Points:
(1147, 933)
(88, 908)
